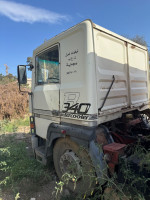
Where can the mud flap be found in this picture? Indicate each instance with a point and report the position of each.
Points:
(97, 157)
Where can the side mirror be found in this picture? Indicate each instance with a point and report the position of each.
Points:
(22, 75)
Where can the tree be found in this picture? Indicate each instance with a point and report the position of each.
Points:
(140, 40)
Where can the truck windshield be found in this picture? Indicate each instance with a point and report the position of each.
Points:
(47, 65)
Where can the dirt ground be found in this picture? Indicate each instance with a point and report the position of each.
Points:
(30, 191)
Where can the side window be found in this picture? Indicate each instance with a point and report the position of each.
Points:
(47, 65)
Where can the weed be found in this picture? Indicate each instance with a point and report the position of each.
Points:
(23, 121)
(130, 182)
(17, 167)
(7, 126)
(17, 196)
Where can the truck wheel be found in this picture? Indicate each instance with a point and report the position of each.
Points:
(73, 166)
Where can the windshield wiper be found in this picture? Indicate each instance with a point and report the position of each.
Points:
(53, 78)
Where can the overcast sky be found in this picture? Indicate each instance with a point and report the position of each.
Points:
(25, 24)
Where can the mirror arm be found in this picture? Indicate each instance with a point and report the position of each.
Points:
(30, 67)
(23, 91)
(29, 93)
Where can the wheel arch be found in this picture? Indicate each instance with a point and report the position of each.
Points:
(78, 134)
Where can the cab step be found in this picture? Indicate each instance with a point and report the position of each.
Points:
(40, 155)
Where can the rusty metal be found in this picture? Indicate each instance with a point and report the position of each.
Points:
(114, 150)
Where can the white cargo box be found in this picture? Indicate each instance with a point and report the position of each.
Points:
(128, 63)
(92, 61)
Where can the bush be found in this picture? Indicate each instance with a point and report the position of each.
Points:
(7, 79)
(12, 103)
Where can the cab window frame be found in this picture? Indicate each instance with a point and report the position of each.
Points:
(55, 46)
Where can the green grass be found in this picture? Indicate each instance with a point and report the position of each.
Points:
(7, 126)
(23, 122)
(18, 167)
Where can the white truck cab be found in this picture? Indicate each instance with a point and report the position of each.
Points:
(89, 85)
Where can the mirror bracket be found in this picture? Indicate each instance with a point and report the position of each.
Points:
(30, 67)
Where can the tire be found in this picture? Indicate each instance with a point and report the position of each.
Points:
(85, 182)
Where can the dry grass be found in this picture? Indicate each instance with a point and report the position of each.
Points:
(12, 103)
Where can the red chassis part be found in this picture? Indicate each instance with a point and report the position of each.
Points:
(123, 139)
(114, 150)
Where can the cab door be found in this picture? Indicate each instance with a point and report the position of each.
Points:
(47, 84)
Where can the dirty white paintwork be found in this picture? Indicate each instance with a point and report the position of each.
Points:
(42, 126)
(46, 97)
(89, 56)
(109, 62)
(138, 72)
(128, 64)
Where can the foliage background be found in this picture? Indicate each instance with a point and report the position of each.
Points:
(13, 104)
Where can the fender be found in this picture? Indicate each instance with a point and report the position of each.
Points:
(81, 135)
